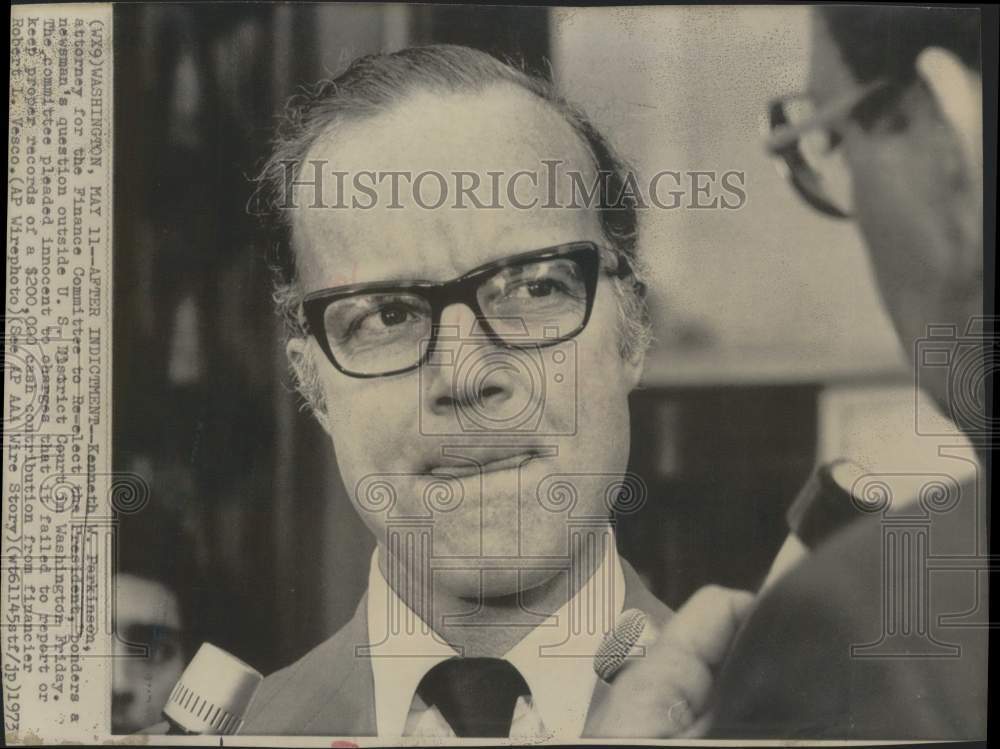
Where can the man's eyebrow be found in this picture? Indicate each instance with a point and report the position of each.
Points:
(403, 278)
(342, 282)
(400, 279)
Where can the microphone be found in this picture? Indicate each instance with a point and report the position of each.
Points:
(823, 506)
(211, 697)
(632, 630)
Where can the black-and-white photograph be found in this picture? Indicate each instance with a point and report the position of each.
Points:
(546, 374)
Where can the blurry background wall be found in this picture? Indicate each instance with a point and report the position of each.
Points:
(761, 312)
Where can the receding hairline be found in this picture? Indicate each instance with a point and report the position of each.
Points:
(341, 129)
(339, 132)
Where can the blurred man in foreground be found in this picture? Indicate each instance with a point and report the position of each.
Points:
(896, 95)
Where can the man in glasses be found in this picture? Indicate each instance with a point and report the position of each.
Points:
(472, 371)
(890, 135)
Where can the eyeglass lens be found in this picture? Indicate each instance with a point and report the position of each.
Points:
(524, 304)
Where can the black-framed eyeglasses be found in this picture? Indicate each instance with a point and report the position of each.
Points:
(529, 300)
(800, 134)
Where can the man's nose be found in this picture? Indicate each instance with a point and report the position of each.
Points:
(471, 376)
(124, 687)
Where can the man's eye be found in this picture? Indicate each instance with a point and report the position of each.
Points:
(380, 320)
(392, 316)
(162, 652)
(538, 289)
(541, 288)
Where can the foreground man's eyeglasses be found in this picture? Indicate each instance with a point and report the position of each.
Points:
(529, 300)
(802, 137)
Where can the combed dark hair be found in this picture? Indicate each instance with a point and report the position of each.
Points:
(374, 84)
(883, 41)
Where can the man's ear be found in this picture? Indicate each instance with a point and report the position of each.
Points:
(295, 350)
(958, 93)
(300, 357)
(634, 365)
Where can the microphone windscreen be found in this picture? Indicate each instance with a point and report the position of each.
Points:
(825, 504)
(213, 693)
(618, 643)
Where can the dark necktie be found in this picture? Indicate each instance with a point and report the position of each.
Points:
(475, 695)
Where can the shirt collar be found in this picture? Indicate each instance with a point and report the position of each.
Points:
(555, 658)
(403, 648)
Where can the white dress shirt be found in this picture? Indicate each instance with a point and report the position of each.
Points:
(555, 658)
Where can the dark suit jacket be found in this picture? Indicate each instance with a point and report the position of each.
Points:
(792, 674)
(330, 691)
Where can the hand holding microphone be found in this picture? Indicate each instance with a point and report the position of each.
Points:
(664, 693)
(662, 683)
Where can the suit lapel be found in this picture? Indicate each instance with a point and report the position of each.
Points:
(345, 707)
(337, 689)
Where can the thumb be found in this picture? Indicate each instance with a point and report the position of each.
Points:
(707, 623)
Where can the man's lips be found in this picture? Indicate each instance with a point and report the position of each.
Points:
(481, 463)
